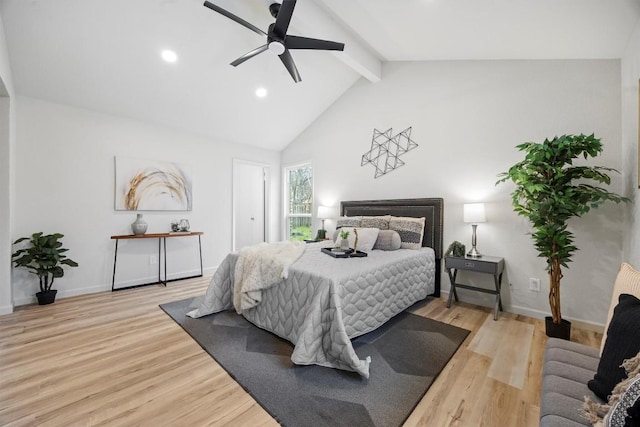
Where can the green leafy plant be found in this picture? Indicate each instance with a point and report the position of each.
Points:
(44, 258)
(344, 234)
(550, 190)
(456, 249)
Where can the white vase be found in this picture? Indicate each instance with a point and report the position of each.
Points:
(344, 244)
(139, 226)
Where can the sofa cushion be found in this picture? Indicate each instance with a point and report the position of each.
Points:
(627, 282)
(623, 342)
(568, 371)
(587, 360)
(568, 366)
(558, 421)
(562, 408)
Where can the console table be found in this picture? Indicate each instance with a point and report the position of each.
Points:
(162, 242)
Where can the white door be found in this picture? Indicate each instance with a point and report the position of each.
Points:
(250, 182)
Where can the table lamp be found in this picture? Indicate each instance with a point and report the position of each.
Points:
(474, 214)
(324, 212)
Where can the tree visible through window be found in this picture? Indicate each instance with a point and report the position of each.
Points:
(300, 201)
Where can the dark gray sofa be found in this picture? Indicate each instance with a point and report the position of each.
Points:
(568, 366)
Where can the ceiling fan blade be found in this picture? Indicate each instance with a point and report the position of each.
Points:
(233, 17)
(287, 60)
(284, 18)
(296, 42)
(250, 55)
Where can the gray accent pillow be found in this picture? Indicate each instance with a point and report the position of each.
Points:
(410, 230)
(348, 221)
(381, 222)
(388, 240)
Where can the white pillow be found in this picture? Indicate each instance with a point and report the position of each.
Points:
(366, 238)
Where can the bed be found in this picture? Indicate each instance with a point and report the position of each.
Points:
(324, 302)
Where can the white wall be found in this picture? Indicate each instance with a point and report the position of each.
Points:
(7, 143)
(467, 117)
(65, 183)
(630, 135)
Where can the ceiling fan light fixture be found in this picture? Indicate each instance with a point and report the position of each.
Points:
(277, 48)
(169, 56)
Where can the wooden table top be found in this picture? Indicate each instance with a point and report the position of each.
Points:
(158, 235)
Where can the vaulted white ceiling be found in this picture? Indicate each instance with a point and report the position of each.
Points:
(105, 55)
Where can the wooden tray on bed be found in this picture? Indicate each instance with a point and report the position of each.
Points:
(339, 253)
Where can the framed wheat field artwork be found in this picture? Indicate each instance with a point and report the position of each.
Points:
(149, 185)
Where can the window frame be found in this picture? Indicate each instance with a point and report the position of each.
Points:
(286, 231)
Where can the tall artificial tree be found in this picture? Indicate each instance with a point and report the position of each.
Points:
(550, 190)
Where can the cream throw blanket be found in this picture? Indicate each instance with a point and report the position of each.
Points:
(259, 267)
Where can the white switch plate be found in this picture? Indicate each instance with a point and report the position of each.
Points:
(534, 284)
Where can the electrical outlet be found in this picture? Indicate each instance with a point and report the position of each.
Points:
(153, 260)
(534, 284)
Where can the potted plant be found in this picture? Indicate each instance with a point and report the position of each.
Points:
(549, 191)
(344, 242)
(44, 258)
(456, 249)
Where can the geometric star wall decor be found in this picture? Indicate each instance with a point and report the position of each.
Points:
(386, 150)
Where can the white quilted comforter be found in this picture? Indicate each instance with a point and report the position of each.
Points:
(324, 301)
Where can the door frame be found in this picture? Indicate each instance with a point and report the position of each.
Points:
(267, 197)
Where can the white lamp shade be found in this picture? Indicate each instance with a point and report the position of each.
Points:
(325, 212)
(474, 213)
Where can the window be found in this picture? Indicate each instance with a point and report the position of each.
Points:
(299, 202)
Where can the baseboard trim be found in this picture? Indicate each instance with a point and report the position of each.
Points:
(106, 287)
(61, 294)
(6, 309)
(538, 314)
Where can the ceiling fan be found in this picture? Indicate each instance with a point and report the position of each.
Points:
(278, 41)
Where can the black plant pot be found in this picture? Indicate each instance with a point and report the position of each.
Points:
(46, 297)
(554, 330)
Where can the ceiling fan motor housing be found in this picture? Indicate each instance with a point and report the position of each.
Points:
(274, 8)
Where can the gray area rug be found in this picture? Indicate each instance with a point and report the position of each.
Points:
(407, 354)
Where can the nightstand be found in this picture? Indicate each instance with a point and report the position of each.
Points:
(486, 264)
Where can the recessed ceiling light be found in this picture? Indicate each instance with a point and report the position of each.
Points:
(261, 92)
(169, 55)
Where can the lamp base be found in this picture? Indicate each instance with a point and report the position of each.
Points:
(473, 253)
(322, 234)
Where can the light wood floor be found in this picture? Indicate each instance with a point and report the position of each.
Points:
(117, 359)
